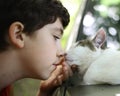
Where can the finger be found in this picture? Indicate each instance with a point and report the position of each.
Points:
(60, 79)
(55, 74)
(67, 71)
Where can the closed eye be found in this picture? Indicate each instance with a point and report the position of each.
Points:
(56, 37)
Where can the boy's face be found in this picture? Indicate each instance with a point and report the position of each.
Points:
(39, 54)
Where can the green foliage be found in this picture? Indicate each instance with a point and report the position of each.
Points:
(26, 87)
(109, 2)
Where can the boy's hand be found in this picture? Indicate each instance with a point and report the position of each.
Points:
(62, 72)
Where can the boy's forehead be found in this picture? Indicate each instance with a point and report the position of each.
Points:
(58, 23)
(57, 26)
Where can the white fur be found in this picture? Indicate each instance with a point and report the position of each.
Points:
(82, 56)
(105, 69)
(96, 67)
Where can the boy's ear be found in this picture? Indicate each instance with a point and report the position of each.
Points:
(100, 37)
(16, 34)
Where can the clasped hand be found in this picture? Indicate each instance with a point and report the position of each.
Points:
(60, 74)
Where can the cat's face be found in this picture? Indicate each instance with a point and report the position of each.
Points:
(81, 54)
(80, 51)
(85, 51)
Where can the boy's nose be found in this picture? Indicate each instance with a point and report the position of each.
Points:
(61, 53)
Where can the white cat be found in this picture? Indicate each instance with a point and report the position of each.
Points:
(95, 65)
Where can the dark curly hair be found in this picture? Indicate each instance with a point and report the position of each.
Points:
(33, 14)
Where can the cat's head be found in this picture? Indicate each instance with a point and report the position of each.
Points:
(85, 51)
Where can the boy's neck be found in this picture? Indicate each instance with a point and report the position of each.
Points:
(10, 71)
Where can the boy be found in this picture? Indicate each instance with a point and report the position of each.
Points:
(30, 33)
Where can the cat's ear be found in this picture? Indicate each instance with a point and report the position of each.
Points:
(100, 37)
